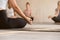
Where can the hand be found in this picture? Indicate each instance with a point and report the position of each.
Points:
(29, 20)
(13, 17)
(49, 16)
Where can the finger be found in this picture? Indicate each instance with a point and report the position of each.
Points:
(30, 22)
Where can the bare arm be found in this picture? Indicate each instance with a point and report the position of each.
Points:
(56, 12)
(18, 10)
(55, 15)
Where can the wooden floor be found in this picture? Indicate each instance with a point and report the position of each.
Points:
(32, 32)
(43, 27)
(39, 28)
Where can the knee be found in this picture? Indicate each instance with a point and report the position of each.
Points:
(55, 19)
(22, 23)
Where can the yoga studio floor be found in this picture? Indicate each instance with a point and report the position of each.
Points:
(32, 32)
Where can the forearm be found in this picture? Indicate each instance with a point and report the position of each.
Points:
(19, 11)
(16, 8)
(53, 16)
(56, 14)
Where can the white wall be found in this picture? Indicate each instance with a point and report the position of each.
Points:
(40, 9)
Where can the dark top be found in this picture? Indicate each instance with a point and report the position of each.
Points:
(58, 14)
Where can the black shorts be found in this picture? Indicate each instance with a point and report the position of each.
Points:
(10, 22)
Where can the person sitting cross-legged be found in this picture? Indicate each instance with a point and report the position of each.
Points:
(56, 17)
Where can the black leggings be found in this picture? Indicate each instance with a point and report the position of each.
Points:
(56, 19)
(10, 22)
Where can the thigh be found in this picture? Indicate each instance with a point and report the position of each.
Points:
(17, 22)
(3, 16)
(3, 20)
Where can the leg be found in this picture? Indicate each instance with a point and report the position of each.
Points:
(55, 19)
(17, 22)
(29, 15)
(32, 18)
(3, 20)
(10, 22)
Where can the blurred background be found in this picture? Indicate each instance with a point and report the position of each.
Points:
(41, 9)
